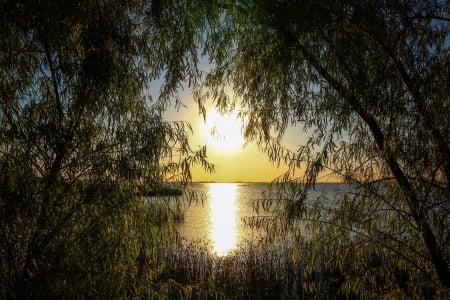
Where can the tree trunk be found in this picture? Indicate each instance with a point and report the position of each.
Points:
(414, 205)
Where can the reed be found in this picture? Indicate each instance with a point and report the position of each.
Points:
(255, 270)
(259, 269)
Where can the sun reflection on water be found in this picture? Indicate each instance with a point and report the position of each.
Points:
(224, 233)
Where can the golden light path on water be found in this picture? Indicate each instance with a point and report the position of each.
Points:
(223, 215)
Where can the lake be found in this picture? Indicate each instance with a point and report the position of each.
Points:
(219, 220)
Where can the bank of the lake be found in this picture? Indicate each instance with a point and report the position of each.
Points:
(218, 257)
(221, 258)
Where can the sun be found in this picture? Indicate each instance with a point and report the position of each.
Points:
(223, 131)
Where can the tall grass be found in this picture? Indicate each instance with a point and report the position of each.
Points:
(288, 267)
(258, 269)
(255, 270)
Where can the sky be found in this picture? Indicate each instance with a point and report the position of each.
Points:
(232, 158)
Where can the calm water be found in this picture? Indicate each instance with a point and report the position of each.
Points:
(219, 220)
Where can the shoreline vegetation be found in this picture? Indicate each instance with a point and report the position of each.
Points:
(258, 269)
(163, 191)
(258, 182)
(281, 267)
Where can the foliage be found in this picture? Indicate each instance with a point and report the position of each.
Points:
(255, 270)
(368, 82)
(259, 269)
(80, 137)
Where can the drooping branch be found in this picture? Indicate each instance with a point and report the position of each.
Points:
(419, 100)
(415, 206)
(54, 80)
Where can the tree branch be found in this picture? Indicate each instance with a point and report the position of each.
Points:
(415, 206)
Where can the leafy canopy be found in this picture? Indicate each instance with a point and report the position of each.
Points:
(81, 140)
(369, 81)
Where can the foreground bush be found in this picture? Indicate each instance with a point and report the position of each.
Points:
(79, 133)
(262, 270)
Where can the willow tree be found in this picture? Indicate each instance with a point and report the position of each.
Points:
(368, 81)
(80, 139)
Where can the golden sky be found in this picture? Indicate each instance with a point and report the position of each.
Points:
(233, 160)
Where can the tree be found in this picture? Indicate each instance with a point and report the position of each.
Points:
(80, 140)
(369, 81)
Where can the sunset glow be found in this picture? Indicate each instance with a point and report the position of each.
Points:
(233, 159)
(223, 132)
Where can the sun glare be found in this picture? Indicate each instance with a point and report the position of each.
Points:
(223, 131)
(224, 233)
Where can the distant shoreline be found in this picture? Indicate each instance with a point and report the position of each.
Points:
(261, 182)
